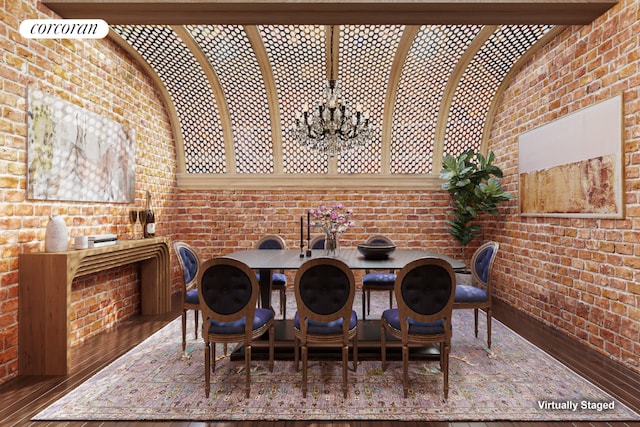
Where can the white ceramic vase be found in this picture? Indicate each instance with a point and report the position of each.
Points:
(56, 238)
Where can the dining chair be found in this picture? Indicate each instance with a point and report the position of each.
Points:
(325, 289)
(278, 279)
(477, 295)
(377, 280)
(318, 242)
(229, 293)
(190, 264)
(424, 292)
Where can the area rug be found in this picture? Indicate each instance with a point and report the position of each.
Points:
(513, 381)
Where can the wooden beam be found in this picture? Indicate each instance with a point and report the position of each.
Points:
(327, 12)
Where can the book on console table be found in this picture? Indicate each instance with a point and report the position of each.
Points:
(102, 240)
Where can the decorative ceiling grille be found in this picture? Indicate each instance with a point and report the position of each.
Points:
(298, 67)
(481, 80)
(298, 61)
(427, 69)
(365, 60)
(229, 51)
(190, 93)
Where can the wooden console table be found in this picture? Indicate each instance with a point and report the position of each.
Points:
(45, 295)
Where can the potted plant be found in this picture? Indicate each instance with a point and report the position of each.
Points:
(473, 182)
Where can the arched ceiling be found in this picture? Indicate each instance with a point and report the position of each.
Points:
(235, 90)
(235, 73)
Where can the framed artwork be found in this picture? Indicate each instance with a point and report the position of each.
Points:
(76, 155)
(573, 166)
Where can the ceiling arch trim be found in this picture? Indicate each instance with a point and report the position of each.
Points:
(221, 102)
(174, 119)
(506, 82)
(260, 52)
(408, 37)
(447, 100)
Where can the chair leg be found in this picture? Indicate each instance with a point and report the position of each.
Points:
(364, 303)
(345, 357)
(213, 357)
(355, 352)
(207, 368)
(390, 299)
(272, 333)
(283, 303)
(368, 301)
(445, 368)
(184, 330)
(405, 369)
(383, 345)
(296, 353)
(196, 314)
(247, 369)
(304, 370)
(475, 318)
(489, 327)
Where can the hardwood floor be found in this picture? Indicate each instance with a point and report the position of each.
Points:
(24, 396)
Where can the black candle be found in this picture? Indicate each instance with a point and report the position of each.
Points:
(308, 226)
(301, 236)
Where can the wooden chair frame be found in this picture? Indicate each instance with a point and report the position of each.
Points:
(303, 339)
(407, 338)
(187, 286)
(477, 281)
(366, 289)
(247, 312)
(282, 289)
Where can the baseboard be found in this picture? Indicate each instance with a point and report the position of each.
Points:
(619, 381)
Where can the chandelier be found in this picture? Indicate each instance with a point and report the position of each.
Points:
(332, 126)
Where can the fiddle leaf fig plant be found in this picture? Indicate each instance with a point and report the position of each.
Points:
(473, 182)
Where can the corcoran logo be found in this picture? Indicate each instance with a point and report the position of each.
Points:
(64, 29)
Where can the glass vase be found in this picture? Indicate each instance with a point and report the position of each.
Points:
(331, 244)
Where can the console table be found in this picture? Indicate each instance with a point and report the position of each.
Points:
(45, 295)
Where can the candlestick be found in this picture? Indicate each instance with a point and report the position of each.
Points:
(301, 238)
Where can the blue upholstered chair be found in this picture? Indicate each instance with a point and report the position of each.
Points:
(228, 296)
(190, 264)
(317, 242)
(278, 279)
(377, 280)
(478, 294)
(325, 289)
(424, 291)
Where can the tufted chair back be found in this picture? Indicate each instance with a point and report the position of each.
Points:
(425, 289)
(189, 262)
(228, 290)
(325, 288)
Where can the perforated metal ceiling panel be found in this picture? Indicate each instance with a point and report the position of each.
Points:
(262, 76)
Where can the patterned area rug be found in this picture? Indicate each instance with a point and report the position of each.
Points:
(512, 381)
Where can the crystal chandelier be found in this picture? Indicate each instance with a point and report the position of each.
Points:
(332, 126)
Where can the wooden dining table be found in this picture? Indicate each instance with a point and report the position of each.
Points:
(268, 260)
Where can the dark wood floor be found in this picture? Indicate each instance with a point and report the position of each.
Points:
(24, 396)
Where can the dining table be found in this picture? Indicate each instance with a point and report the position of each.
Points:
(267, 260)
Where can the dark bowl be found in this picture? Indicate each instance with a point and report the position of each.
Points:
(376, 251)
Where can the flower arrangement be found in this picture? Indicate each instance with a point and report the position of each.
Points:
(332, 220)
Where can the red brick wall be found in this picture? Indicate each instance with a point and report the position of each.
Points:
(98, 76)
(579, 276)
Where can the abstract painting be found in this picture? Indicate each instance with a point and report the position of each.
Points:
(75, 154)
(573, 167)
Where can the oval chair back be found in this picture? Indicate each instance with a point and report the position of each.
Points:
(477, 295)
(228, 296)
(318, 242)
(325, 289)
(424, 290)
(189, 262)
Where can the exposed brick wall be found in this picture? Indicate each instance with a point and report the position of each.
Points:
(99, 76)
(579, 276)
